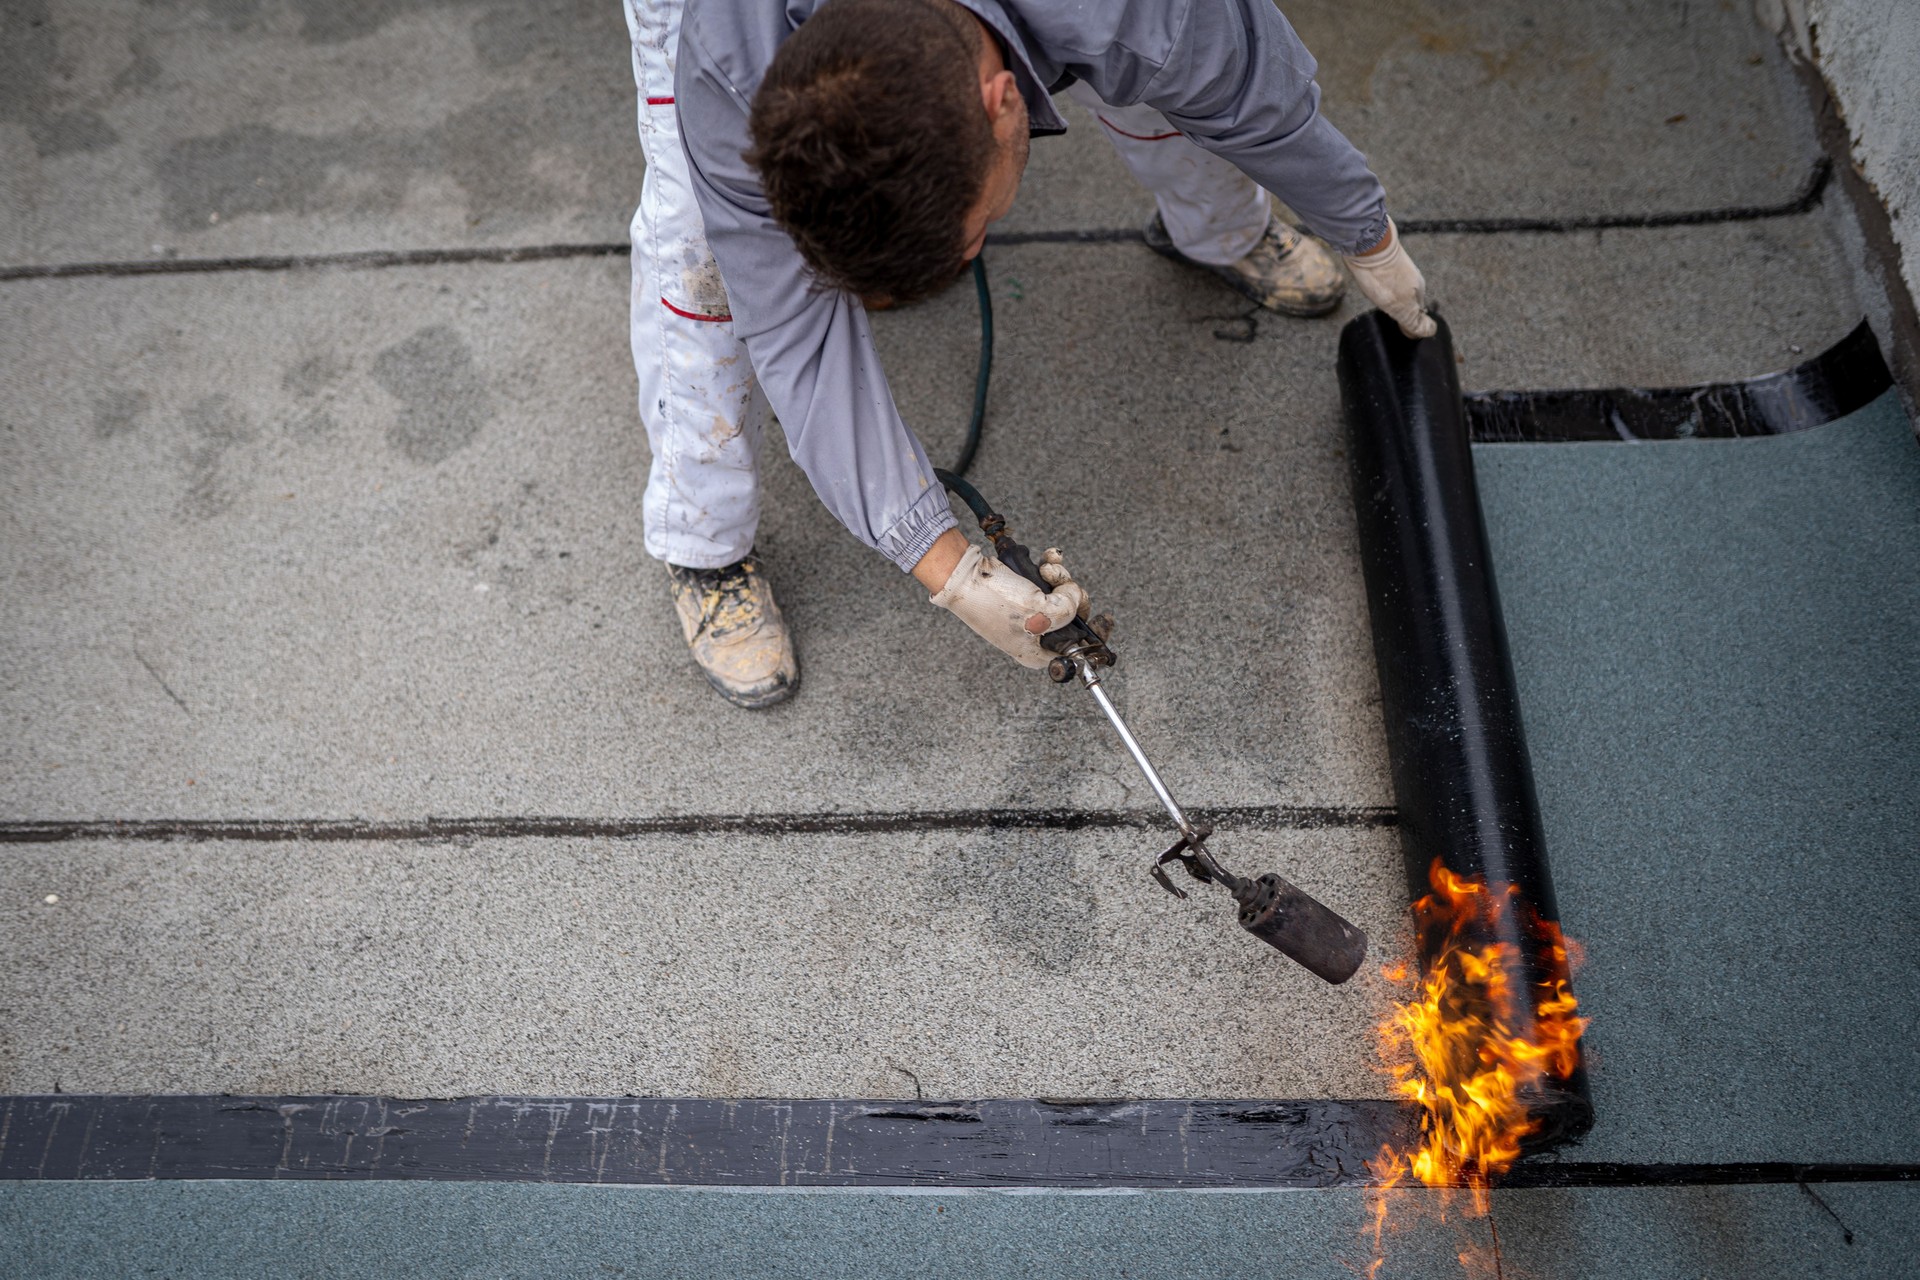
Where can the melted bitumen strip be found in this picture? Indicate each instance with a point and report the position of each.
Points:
(1086, 1144)
(1843, 379)
(1247, 817)
(1073, 1143)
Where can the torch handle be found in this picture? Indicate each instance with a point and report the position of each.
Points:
(1017, 558)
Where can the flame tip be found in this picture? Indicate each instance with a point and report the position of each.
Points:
(1472, 1044)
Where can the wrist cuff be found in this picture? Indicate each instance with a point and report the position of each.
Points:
(914, 533)
(1388, 256)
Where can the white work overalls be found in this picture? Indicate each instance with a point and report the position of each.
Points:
(704, 412)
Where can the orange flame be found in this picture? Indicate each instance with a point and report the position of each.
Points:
(1468, 1049)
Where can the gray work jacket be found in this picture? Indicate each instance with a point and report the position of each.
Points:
(1230, 74)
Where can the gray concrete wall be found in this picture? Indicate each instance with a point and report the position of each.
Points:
(1869, 53)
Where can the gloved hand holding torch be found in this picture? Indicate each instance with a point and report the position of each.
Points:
(1006, 610)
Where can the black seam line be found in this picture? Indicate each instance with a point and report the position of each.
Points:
(372, 259)
(1810, 193)
(1809, 196)
(1604, 1174)
(366, 260)
(1252, 817)
(1096, 235)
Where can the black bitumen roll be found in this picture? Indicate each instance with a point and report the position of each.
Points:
(1460, 769)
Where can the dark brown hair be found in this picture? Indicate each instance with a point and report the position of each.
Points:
(872, 143)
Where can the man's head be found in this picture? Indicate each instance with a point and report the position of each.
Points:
(887, 135)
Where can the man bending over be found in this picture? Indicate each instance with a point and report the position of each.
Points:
(809, 159)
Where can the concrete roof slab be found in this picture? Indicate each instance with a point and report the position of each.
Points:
(974, 964)
(367, 543)
(137, 131)
(233, 128)
(1511, 109)
(1664, 307)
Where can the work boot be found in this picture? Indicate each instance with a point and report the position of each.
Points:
(736, 632)
(1285, 271)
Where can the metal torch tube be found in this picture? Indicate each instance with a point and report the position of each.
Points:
(1091, 678)
(1277, 913)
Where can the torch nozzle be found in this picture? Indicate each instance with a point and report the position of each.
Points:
(1301, 926)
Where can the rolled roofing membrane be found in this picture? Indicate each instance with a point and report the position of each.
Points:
(1461, 772)
(1705, 616)
(1715, 648)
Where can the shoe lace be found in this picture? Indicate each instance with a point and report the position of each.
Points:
(728, 604)
(1278, 242)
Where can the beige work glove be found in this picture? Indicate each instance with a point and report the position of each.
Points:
(1393, 284)
(998, 603)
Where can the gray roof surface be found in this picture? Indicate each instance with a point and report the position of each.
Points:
(364, 544)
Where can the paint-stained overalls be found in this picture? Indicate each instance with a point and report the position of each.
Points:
(704, 412)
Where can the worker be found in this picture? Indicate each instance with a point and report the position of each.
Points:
(810, 158)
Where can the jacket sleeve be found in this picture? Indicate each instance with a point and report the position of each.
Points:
(1239, 82)
(812, 349)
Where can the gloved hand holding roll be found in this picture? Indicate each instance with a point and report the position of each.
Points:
(1006, 610)
(1392, 283)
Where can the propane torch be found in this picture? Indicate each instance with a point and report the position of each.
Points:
(1270, 908)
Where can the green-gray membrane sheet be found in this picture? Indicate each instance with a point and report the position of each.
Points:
(1717, 644)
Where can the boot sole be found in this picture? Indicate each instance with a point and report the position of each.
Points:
(754, 701)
